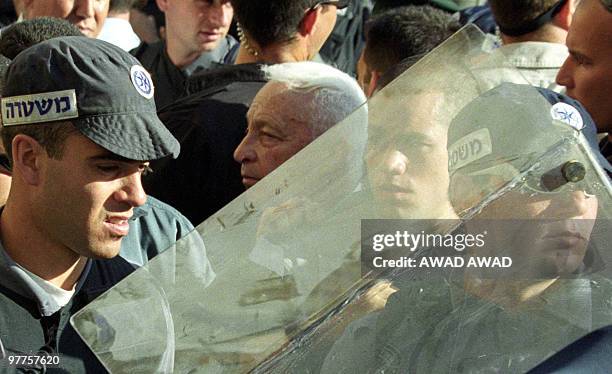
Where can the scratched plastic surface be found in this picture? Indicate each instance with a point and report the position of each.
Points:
(290, 289)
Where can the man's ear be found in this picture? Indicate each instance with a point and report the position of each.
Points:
(374, 77)
(163, 5)
(563, 19)
(308, 21)
(27, 154)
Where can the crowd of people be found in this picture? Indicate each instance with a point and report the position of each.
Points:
(126, 123)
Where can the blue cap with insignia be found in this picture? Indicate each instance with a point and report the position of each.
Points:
(102, 90)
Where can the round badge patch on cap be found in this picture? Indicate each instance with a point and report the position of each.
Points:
(567, 114)
(141, 79)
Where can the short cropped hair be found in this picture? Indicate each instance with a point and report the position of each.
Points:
(51, 136)
(4, 64)
(516, 14)
(335, 94)
(25, 34)
(404, 32)
(271, 21)
(120, 6)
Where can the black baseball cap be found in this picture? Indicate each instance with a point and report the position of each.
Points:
(101, 89)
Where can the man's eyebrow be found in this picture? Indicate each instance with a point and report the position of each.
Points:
(578, 54)
(414, 135)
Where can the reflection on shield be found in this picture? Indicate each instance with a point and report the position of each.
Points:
(294, 288)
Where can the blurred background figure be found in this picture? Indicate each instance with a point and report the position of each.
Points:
(22, 35)
(345, 44)
(533, 37)
(117, 28)
(148, 22)
(397, 34)
(195, 37)
(87, 15)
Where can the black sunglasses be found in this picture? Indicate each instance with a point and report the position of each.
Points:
(339, 4)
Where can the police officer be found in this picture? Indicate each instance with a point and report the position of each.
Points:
(196, 38)
(80, 125)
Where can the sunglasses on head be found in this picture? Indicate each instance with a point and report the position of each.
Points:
(339, 4)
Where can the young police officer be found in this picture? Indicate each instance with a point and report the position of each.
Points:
(80, 125)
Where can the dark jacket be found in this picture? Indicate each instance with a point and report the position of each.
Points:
(347, 40)
(28, 326)
(591, 354)
(170, 80)
(209, 124)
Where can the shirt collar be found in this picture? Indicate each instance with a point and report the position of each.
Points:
(209, 59)
(535, 54)
(17, 280)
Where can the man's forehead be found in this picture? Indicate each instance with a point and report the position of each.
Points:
(277, 101)
(413, 111)
(590, 31)
(592, 13)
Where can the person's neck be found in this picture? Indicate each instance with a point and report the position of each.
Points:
(547, 34)
(27, 245)
(272, 55)
(180, 57)
(124, 15)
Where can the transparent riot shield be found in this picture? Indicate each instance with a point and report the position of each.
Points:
(292, 277)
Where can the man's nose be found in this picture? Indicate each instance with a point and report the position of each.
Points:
(245, 151)
(220, 14)
(131, 191)
(564, 76)
(394, 162)
(85, 8)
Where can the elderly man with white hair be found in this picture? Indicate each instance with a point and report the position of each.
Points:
(300, 102)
